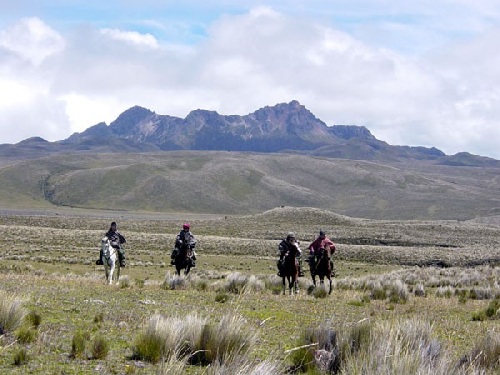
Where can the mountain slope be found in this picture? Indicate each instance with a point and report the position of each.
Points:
(244, 183)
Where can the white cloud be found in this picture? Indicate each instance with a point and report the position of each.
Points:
(131, 37)
(32, 40)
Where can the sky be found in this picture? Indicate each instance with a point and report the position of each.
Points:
(418, 73)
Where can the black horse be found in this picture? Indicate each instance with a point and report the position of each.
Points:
(184, 260)
(290, 270)
(322, 266)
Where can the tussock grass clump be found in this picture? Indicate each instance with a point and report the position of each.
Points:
(78, 344)
(318, 344)
(400, 347)
(193, 337)
(21, 357)
(398, 292)
(221, 297)
(12, 312)
(485, 355)
(238, 283)
(230, 337)
(356, 338)
(174, 282)
(99, 317)
(139, 283)
(244, 365)
(445, 292)
(320, 292)
(26, 334)
(100, 348)
(34, 319)
(492, 311)
(165, 337)
(419, 290)
(274, 284)
(125, 282)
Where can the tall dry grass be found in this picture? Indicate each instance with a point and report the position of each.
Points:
(12, 312)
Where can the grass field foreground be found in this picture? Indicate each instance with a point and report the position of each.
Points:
(438, 278)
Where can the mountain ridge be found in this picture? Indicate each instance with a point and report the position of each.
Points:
(284, 127)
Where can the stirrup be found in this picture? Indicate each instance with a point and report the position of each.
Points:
(99, 262)
(122, 263)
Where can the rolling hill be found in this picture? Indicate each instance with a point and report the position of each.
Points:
(225, 182)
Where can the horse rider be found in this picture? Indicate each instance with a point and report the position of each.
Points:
(184, 240)
(116, 240)
(286, 245)
(321, 242)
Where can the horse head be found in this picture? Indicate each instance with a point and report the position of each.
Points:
(105, 244)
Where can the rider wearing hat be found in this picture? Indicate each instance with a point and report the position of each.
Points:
(322, 242)
(185, 239)
(117, 240)
(290, 243)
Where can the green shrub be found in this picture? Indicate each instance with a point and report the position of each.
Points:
(99, 317)
(26, 334)
(378, 293)
(34, 319)
(149, 347)
(493, 309)
(320, 292)
(100, 348)
(20, 357)
(221, 297)
(78, 344)
(490, 312)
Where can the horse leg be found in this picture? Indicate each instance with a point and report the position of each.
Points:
(111, 272)
(330, 281)
(117, 272)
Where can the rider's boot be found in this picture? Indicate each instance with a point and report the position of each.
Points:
(121, 257)
(301, 271)
(99, 261)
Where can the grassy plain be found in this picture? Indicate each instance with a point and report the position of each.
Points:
(449, 270)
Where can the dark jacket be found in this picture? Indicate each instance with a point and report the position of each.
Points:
(116, 238)
(185, 239)
(286, 246)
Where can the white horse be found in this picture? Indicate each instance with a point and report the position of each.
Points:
(110, 260)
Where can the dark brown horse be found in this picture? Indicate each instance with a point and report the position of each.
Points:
(184, 260)
(322, 266)
(290, 270)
